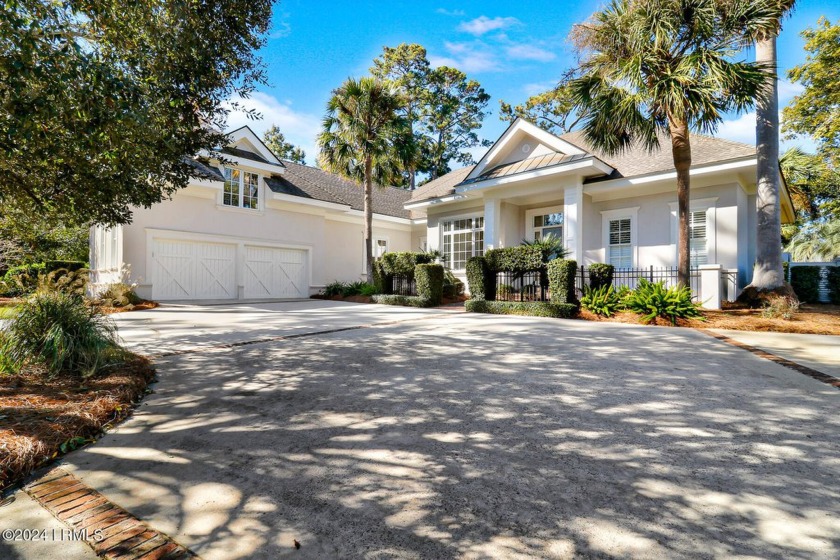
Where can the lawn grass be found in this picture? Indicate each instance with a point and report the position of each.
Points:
(7, 309)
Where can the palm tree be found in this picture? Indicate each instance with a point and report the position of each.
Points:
(768, 274)
(664, 67)
(361, 141)
(819, 241)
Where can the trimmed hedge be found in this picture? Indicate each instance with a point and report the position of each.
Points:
(834, 284)
(429, 278)
(523, 258)
(600, 274)
(532, 308)
(561, 281)
(481, 280)
(383, 282)
(407, 301)
(805, 281)
(402, 263)
(786, 271)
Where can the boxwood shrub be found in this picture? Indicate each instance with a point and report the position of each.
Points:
(834, 284)
(429, 278)
(407, 301)
(402, 263)
(600, 274)
(523, 258)
(561, 281)
(805, 281)
(384, 282)
(481, 280)
(532, 308)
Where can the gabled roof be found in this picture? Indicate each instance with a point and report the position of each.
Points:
(249, 137)
(530, 164)
(442, 186)
(313, 183)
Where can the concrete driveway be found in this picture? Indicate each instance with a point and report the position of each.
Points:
(470, 436)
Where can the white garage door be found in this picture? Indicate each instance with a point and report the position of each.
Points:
(275, 273)
(193, 270)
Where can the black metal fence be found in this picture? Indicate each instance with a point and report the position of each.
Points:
(522, 286)
(403, 285)
(630, 277)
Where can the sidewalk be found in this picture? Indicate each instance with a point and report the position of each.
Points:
(818, 351)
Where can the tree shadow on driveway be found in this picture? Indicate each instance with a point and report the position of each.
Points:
(482, 437)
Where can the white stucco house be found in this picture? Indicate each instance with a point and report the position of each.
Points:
(258, 227)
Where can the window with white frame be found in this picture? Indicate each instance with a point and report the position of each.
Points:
(547, 224)
(380, 247)
(242, 189)
(698, 240)
(620, 248)
(462, 238)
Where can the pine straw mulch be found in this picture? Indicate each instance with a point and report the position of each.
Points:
(142, 306)
(811, 319)
(38, 415)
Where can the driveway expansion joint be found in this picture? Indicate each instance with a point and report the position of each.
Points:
(110, 530)
(804, 370)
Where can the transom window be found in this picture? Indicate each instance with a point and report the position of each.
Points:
(548, 224)
(698, 241)
(242, 189)
(462, 238)
(620, 243)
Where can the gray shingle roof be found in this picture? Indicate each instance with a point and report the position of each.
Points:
(441, 186)
(637, 161)
(204, 170)
(310, 182)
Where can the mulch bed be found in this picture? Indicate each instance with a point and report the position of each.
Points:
(38, 415)
(367, 299)
(811, 319)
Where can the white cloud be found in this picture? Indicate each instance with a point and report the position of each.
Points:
(539, 87)
(453, 13)
(483, 24)
(741, 129)
(529, 52)
(789, 90)
(300, 129)
(467, 57)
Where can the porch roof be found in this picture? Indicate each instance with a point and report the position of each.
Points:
(530, 164)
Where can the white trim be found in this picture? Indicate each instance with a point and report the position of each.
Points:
(624, 182)
(620, 213)
(559, 169)
(433, 201)
(709, 205)
(245, 163)
(453, 218)
(308, 201)
(245, 132)
(530, 214)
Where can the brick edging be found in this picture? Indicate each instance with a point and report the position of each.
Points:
(805, 370)
(110, 530)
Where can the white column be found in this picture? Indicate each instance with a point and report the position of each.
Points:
(492, 223)
(573, 217)
(710, 289)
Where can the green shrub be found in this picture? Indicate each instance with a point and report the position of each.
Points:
(384, 282)
(334, 288)
(603, 300)
(805, 281)
(59, 332)
(406, 301)
(70, 266)
(452, 287)
(551, 247)
(402, 263)
(481, 280)
(353, 288)
(834, 284)
(786, 270)
(21, 280)
(368, 290)
(64, 281)
(600, 274)
(118, 294)
(652, 300)
(561, 281)
(429, 278)
(781, 307)
(515, 259)
(532, 308)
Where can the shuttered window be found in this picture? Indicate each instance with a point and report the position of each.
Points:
(621, 243)
(698, 240)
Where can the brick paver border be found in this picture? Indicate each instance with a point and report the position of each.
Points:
(110, 530)
(805, 370)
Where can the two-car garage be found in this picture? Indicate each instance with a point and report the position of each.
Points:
(184, 269)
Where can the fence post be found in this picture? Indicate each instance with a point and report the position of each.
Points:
(651, 274)
(710, 286)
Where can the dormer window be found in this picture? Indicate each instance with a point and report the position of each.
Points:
(242, 189)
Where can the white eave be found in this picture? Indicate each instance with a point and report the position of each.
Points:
(335, 207)
(433, 201)
(596, 166)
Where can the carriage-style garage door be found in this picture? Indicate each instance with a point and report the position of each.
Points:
(275, 273)
(193, 270)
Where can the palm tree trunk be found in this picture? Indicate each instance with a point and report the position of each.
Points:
(681, 150)
(768, 274)
(369, 219)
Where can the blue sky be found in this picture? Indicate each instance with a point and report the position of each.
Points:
(513, 50)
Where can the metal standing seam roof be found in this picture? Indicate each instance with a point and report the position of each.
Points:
(525, 165)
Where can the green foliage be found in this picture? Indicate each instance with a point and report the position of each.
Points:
(102, 103)
(348, 289)
(64, 281)
(381, 280)
(452, 287)
(405, 301)
(652, 300)
(782, 307)
(603, 300)
(814, 112)
(28, 239)
(834, 284)
(805, 281)
(550, 246)
(62, 334)
(481, 279)
(816, 242)
(813, 184)
(334, 288)
(120, 295)
(561, 281)
(600, 274)
(552, 110)
(533, 308)
(402, 263)
(786, 271)
(21, 280)
(429, 278)
(276, 142)
(524, 258)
